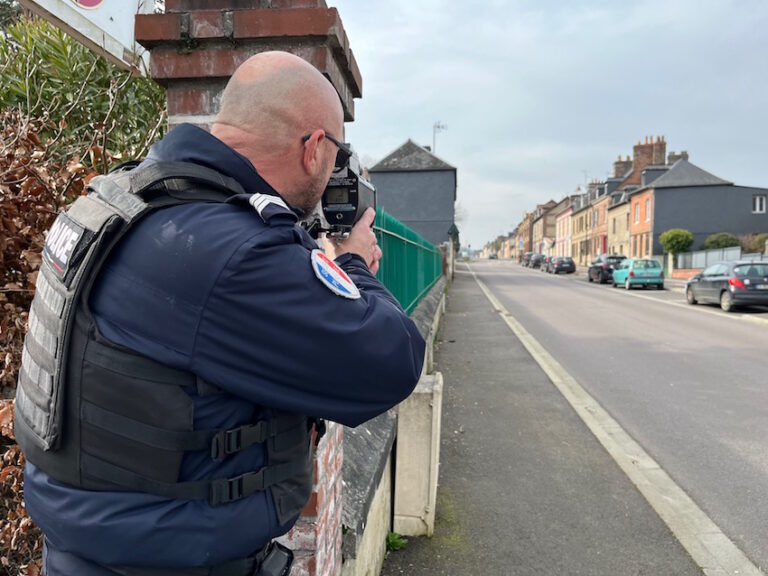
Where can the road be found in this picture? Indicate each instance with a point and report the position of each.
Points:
(688, 383)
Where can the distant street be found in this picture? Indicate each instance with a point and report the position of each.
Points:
(689, 383)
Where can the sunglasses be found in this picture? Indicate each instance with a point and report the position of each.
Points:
(344, 153)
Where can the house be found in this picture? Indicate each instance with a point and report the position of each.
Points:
(524, 232)
(600, 224)
(564, 230)
(618, 223)
(682, 195)
(580, 230)
(417, 188)
(647, 158)
(543, 228)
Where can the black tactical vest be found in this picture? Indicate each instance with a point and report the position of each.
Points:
(98, 416)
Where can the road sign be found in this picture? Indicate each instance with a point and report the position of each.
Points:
(104, 26)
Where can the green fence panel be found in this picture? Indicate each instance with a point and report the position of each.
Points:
(411, 265)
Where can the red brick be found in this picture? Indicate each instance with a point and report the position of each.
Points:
(299, 4)
(209, 24)
(356, 86)
(276, 23)
(303, 536)
(153, 28)
(190, 5)
(304, 566)
(316, 503)
(169, 64)
(186, 100)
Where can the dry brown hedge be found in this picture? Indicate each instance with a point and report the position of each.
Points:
(33, 189)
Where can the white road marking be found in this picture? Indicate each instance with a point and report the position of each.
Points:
(708, 546)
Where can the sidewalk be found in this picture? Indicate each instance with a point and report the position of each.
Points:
(525, 489)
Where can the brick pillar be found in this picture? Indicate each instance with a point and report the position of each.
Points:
(316, 538)
(197, 44)
(194, 49)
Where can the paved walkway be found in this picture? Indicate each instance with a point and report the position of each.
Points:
(525, 489)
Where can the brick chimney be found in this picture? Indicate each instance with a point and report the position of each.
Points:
(197, 44)
(621, 167)
(674, 157)
(659, 150)
(642, 155)
(194, 49)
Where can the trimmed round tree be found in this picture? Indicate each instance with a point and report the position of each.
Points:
(676, 241)
(720, 240)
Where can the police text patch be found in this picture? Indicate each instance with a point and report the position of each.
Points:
(334, 278)
(61, 242)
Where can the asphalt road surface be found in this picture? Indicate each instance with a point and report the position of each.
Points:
(689, 383)
(525, 488)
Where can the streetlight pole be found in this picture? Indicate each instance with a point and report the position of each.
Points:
(436, 127)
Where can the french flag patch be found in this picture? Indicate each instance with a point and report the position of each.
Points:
(334, 278)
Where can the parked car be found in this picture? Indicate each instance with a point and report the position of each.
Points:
(730, 284)
(551, 263)
(562, 264)
(639, 272)
(526, 258)
(601, 269)
(544, 266)
(535, 261)
(493, 256)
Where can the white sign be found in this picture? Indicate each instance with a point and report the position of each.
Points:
(105, 26)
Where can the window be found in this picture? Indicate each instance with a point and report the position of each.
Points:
(634, 245)
(637, 212)
(647, 210)
(758, 204)
(627, 220)
(647, 247)
(614, 226)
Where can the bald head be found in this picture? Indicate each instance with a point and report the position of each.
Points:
(271, 102)
(277, 97)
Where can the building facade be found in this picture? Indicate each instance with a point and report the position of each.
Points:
(419, 189)
(564, 231)
(599, 243)
(690, 198)
(618, 225)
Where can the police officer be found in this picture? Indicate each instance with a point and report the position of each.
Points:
(167, 407)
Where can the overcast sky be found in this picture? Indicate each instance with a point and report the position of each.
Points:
(536, 92)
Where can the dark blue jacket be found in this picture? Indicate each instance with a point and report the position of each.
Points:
(212, 289)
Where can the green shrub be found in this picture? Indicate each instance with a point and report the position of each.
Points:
(720, 240)
(676, 240)
(95, 112)
(395, 542)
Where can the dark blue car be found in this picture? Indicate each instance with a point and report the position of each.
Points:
(730, 284)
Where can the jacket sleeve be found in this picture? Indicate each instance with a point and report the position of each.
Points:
(273, 333)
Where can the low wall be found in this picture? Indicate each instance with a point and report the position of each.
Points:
(685, 273)
(372, 471)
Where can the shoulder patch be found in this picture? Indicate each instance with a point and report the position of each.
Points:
(334, 278)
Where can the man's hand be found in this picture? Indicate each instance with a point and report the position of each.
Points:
(361, 241)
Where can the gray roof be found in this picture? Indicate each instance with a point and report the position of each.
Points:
(410, 156)
(683, 174)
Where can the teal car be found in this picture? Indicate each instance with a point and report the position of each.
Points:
(639, 272)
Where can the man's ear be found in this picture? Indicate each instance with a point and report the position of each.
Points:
(311, 159)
